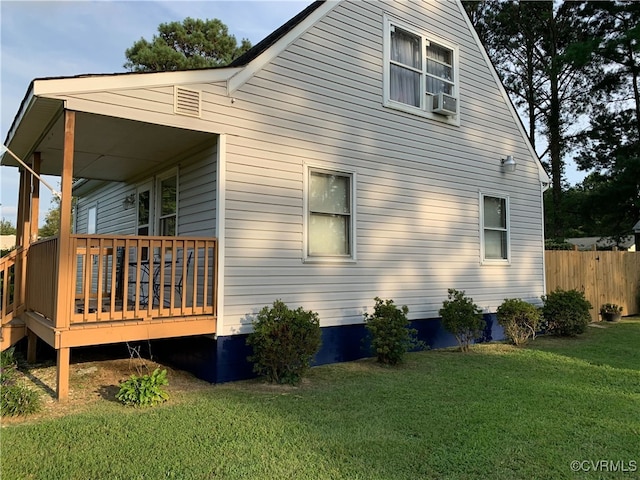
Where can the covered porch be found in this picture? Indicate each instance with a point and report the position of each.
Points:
(77, 290)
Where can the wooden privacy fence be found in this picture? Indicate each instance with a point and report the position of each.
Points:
(603, 276)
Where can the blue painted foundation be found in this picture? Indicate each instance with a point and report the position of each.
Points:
(225, 359)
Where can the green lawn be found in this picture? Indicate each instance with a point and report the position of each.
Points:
(497, 412)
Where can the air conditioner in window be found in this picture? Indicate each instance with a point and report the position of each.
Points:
(444, 104)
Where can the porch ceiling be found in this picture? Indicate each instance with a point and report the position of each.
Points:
(109, 148)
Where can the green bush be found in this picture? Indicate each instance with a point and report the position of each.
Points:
(144, 390)
(566, 312)
(462, 318)
(520, 320)
(388, 330)
(15, 399)
(284, 342)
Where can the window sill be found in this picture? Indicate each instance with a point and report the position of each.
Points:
(490, 262)
(453, 120)
(330, 260)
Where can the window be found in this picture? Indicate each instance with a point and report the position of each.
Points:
(418, 68)
(144, 206)
(168, 205)
(330, 215)
(92, 220)
(495, 229)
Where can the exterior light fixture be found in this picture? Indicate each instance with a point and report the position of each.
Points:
(129, 201)
(508, 164)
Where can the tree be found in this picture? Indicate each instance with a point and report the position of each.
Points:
(191, 44)
(610, 148)
(7, 228)
(51, 225)
(531, 45)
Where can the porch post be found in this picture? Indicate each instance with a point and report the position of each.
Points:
(25, 199)
(32, 338)
(63, 373)
(32, 343)
(20, 216)
(35, 199)
(22, 229)
(64, 273)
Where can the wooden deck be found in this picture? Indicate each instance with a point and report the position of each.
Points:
(120, 288)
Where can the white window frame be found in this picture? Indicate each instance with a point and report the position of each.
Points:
(495, 261)
(351, 174)
(92, 223)
(158, 199)
(426, 38)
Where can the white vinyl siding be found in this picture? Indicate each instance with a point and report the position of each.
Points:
(111, 216)
(417, 187)
(320, 102)
(196, 200)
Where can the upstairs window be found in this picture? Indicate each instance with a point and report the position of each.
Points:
(420, 73)
(495, 229)
(330, 215)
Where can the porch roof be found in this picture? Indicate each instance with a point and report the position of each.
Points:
(106, 148)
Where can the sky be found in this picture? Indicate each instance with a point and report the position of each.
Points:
(66, 38)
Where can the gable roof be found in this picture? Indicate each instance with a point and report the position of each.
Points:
(274, 36)
(40, 110)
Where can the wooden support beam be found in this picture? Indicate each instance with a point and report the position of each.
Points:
(64, 297)
(32, 343)
(25, 225)
(35, 199)
(20, 217)
(64, 358)
(64, 273)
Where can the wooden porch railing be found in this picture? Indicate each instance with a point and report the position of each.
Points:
(115, 278)
(41, 277)
(142, 277)
(8, 297)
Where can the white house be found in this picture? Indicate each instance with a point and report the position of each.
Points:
(365, 148)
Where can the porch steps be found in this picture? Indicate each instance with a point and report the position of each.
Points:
(11, 333)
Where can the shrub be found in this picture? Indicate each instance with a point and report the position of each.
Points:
(519, 319)
(566, 312)
(284, 342)
(462, 318)
(15, 399)
(388, 330)
(144, 390)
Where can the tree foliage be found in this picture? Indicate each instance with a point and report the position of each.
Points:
(571, 69)
(51, 225)
(7, 228)
(388, 328)
(462, 318)
(194, 43)
(610, 148)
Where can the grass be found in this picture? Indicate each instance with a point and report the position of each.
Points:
(498, 412)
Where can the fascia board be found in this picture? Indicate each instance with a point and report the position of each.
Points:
(253, 67)
(62, 86)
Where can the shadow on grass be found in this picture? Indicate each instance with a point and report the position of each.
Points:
(603, 344)
(108, 392)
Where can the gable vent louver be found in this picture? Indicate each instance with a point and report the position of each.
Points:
(186, 102)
